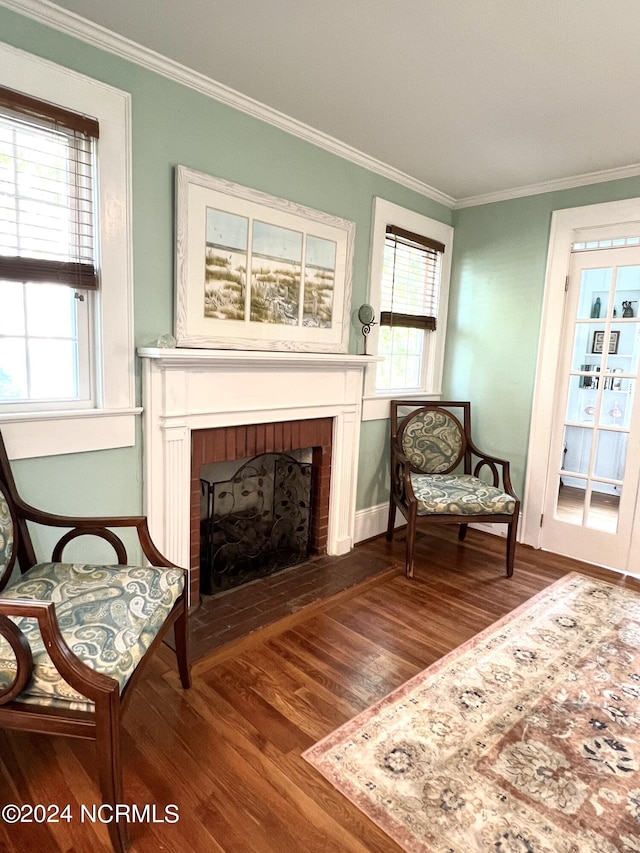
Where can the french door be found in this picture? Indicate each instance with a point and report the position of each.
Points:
(591, 492)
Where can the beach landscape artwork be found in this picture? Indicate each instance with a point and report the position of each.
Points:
(276, 273)
(269, 274)
(291, 275)
(319, 282)
(225, 268)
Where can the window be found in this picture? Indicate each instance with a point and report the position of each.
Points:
(591, 245)
(411, 272)
(47, 251)
(409, 286)
(87, 402)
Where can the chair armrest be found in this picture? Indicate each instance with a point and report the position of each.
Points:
(81, 677)
(97, 526)
(493, 463)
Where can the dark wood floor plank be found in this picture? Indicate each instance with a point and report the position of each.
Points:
(359, 684)
(258, 711)
(279, 687)
(350, 651)
(370, 619)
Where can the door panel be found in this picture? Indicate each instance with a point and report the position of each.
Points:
(592, 479)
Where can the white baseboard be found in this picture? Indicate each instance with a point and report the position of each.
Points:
(494, 529)
(372, 522)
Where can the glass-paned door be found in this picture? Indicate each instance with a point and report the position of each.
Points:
(592, 481)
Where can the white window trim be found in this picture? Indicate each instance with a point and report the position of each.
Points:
(112, 423)
(376, 405)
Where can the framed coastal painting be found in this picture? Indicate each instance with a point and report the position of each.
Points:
(254, 271)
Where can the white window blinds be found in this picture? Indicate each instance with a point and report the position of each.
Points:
(46, 193)
(410, 280)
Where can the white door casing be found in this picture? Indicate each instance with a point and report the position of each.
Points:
(567, 226)
(594, 462)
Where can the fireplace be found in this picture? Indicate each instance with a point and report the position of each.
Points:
(235, 404)
(226, 444)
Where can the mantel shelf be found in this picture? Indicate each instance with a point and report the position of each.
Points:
(179, 357)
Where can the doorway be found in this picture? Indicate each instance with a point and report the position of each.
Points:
(592, 481)
(584, 455)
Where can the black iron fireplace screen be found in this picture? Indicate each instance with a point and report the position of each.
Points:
(255, 523)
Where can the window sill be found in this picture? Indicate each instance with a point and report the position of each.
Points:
(377, 408)
(30, 434)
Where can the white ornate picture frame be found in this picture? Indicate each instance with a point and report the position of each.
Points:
(257, 272)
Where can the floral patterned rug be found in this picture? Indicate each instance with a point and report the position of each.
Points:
(525, 739)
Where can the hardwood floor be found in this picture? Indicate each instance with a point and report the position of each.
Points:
(227, 752)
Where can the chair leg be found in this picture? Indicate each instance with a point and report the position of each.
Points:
(462, 531)
(391, 523)
(181, 636)
(109, 764)
(411, 541)
(511, 546)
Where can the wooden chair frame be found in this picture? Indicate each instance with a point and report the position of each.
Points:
(472, 459)
(103, 724)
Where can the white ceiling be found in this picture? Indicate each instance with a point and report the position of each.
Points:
(470, 97)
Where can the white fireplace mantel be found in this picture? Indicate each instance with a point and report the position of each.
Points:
(187, 389)
(210, 357)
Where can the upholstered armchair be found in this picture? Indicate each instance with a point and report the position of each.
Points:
(74, 637)
(439, 476)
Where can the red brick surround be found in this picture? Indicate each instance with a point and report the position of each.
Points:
(225, 444)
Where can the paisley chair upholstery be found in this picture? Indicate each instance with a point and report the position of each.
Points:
(108, 615)
(74, 637)
(439, 476)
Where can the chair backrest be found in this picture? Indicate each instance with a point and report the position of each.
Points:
(432, 437)
(15, 540)
(8, 537)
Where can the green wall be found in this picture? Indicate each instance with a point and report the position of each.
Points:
(497, 280)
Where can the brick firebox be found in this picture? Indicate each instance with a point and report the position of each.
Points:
(226, 444)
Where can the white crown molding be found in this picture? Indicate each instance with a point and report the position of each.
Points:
(551, 186)
(71, 24)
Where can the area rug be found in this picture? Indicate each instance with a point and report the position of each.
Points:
(526, 739)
